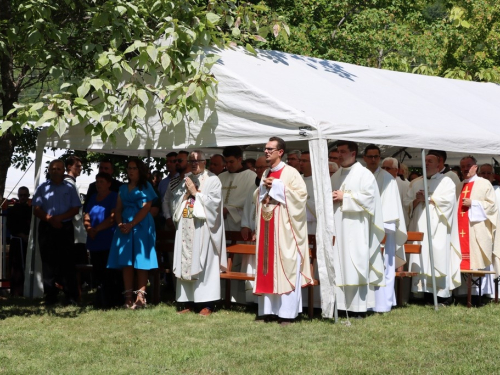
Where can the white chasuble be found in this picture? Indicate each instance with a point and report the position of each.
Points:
(283, 264)
(235, 189)
(200, 246)
(395, 238)
(442, 193)
(403, 186)
(360, 230)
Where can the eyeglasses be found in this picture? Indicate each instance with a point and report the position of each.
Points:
(180, 160)
(196, 161)
(387, 168)
(373, 157)
(269, 149)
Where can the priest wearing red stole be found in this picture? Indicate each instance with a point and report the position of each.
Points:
(477, 217)
(283, 264)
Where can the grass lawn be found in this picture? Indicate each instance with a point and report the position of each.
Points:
(414, 339)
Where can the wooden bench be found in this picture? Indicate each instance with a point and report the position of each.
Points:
(250, 249)
(410, 248)
(468, 275)
(165, 242)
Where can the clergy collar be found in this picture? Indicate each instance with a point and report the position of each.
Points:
(472, 179)
(434, 176)
(242, 169)
(278, 167)
(352, 165)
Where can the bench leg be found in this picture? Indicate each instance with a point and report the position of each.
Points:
(399, 294)
(227, 302)
(469, 290)
(310, 301)
(496, 289)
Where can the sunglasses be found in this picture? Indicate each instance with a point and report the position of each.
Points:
(180, 160)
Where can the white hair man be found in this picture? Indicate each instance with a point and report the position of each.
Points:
(392, 166)
(332, 167)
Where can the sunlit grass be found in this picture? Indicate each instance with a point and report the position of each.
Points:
(414, 339)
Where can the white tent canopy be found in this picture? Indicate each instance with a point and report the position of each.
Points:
(302, 98)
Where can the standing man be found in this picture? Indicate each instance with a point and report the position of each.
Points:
(306, 170)
(487, 172)
(200, 245)
(248, 218)
(18, 224)
(73, 170)
(359, 225)
(293, 159)
(56, 202)
(444, 169)
(237, 184)
(174, 193)
(217, 164)
(477, 217)
(394, 225)
(333, 155)
(442, 200)
(171, 161)
(282, 248)
(105, 166)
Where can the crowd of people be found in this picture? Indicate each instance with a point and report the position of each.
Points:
(269, 200)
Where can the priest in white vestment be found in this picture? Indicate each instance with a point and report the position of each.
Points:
(477, 217)
(358, 262)
(283, 264)
(442, 200)
(200, 246)
(306, 169)
(394, 224)
(237, 184)
(249, 209)
(443, 169)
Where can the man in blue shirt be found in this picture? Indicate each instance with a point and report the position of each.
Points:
(56, 202)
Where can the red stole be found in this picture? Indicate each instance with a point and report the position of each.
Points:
(265, 250)
(463, 226)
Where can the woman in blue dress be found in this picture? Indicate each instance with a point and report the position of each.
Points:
(133, 246)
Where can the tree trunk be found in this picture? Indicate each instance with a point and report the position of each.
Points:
(9, 95)
(7, 147)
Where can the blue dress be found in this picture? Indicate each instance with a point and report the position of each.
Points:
(98, 212)
(136, 248)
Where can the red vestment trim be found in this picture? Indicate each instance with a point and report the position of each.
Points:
(463, 226)
(265, 283)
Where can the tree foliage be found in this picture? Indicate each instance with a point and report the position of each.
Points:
(455, 39)
(110, 58)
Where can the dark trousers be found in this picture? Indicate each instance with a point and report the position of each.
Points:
(108, 281)
(17, 257)
(58, 260)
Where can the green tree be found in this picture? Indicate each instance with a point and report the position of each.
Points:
(456, 39)
(110, 58)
